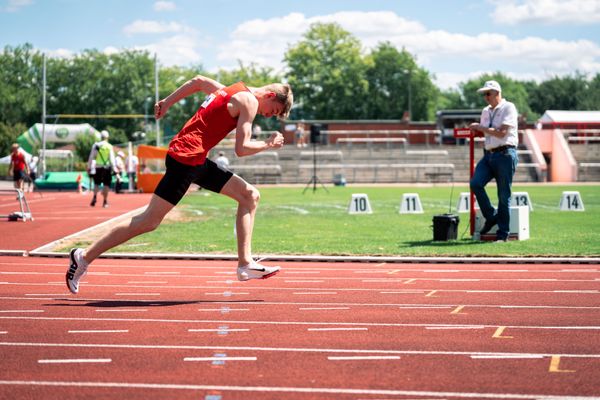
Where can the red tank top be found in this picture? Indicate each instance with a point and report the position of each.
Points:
(211, 123)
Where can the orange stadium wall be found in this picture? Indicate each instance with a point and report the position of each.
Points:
(562, 166)
(151, 167)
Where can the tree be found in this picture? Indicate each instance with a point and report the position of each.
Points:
(398, 85)
(560, 93)
(327, 74)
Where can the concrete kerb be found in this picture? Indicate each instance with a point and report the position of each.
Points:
(332, 259)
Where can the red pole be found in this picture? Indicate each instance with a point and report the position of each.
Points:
(472, 171)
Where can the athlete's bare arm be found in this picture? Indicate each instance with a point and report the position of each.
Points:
(197, 84)
(245, 105)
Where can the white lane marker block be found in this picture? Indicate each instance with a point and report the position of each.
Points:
(359, 204)
(571, 201)
(521, 199)
(464, 202)
(411, 204)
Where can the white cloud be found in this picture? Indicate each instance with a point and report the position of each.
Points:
(153, 27)
(16, 5)
(175, 50)
(513, 12)
(164, 6)
(265, 41)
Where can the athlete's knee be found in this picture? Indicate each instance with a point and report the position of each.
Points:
(251, 197)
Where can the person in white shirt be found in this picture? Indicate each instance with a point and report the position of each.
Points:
(499, 125)
(131, 163)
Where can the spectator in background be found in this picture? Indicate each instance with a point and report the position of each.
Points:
(499, 124)
(131, 164)
(18, 166)
(301, 137)
(33, 166)
(222, 161)
(120, 170)
(101, 166)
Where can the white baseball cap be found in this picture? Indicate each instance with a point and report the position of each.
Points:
(490, 85)
(104, 134)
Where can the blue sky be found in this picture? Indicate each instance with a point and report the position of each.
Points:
(455, 40)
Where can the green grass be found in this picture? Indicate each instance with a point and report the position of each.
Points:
(289, 222)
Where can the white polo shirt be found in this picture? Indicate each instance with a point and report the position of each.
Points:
(505, 113)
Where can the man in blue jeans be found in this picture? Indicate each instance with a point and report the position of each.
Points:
(499, 125)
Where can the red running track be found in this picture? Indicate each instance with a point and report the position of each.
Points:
(146, 329)
(59, 214)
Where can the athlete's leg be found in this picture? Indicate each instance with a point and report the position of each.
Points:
(147, 221)
(247, 197)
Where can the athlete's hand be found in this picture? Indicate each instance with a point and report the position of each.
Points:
(275, 140)
(160, 109)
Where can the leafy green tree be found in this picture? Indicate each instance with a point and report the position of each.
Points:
(591, 98)
(560, 93)
(8, 136)
(327, 74)
(512, 90)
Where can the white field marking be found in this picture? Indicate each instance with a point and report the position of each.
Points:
(223, 309)
(304, 281)
(455, 327)
(383, 280)
(423, 307)
(577, 291)
(287, 389)
(299, 323)
(76, 361)
(314, 293)
(323, 308)
(299, 210)
(220, 359)
(380, 264)
(154, 282)
(137, 294)
(3, 332)
(435, 271)
(482, 291)
(48, 294)
(226, 293)
(291, 349)
(220, 330)
(20, 311)
(336, 329)
(533, 307)
(122, 310)
(402, 292)
(101, 331)
(504, 356)
(360, 358)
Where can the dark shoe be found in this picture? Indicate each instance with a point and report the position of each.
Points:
(487, 226)
(93, 203)
(501, 239)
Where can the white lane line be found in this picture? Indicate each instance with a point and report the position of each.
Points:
(324, 392)
(220, 359)
(304, 281)
(456, 327)
(21, 311)
(226, 293)
(422, 307)
(220, 330)
(155, 282)
(76, 361)
(3, 332)
(360, 358)
(223, 309)
(289, 349)
(337, 329)
(314, 293)
(101, 331)
(122, 310)
(323, 308)
(576, 291)
(506, 357)
(137, 294)
(47, 294)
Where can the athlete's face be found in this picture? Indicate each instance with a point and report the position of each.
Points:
(270, 107)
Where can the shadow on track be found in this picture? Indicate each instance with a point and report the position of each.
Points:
(141, 303)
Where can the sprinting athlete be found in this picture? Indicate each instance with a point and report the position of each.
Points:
(226, 108)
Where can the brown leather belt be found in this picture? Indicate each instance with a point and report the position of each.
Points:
(500, 148)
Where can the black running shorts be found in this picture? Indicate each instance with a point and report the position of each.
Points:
(179, 177)
(103, 176)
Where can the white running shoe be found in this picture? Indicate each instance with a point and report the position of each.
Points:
(77, 270)
(255, 270)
